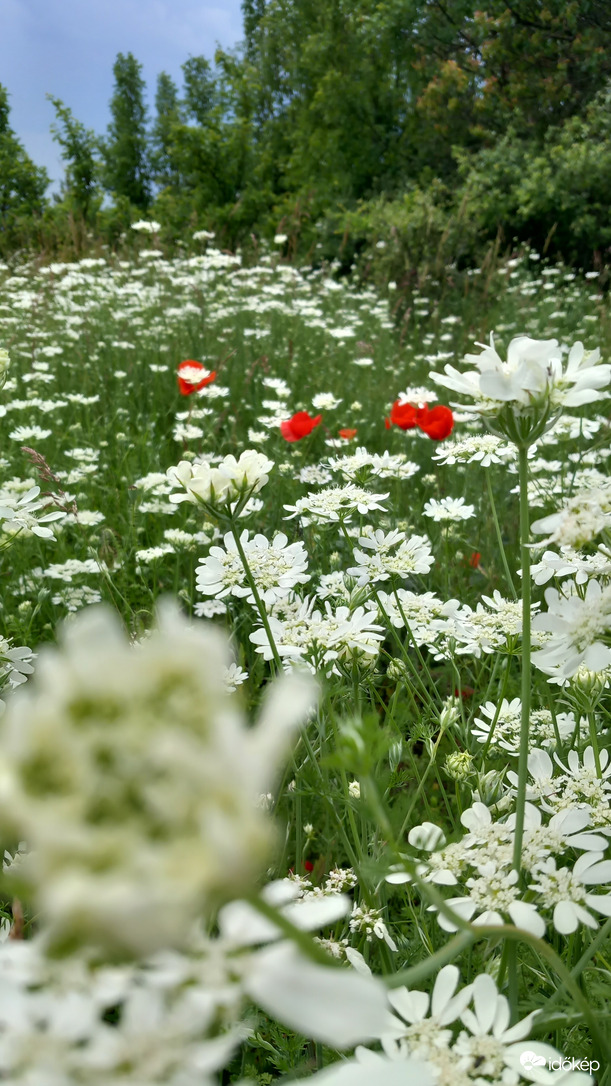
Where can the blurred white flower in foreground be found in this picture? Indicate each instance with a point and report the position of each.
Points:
(584, 516)
(174, 1018)
(4, 365)
(135, 779)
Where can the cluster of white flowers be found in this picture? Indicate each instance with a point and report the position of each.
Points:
(276, 568)
(448, 509)
(174, 1018)
(482, 449)
(462, 1036)
(585, 516)
(384, 465)
(390, 554)
(498, 727)
(481, 862)
(223, 483)
(449, 627)
(320, 638)
(369, 922)
(571, 563)
(146, 226)
(335, 503)
(583, 784)
(580, 625)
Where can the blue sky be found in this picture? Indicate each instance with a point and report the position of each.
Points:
(68, 47)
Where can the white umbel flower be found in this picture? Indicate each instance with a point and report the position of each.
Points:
(532, 374)
(335, 503)
(276, 568)
(566, 890)
(579, 627)
(448, 509)
(390, 554)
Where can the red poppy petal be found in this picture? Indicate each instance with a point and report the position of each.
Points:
(299, 426)
(437, 423)
(403, 415)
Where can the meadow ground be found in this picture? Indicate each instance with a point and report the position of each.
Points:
(384, 559)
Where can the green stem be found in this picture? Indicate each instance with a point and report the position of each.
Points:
(258, 601)
(298, 835)
(526, 664)
(594, 742)
(421, 785)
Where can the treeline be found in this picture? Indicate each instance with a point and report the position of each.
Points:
(429, 126)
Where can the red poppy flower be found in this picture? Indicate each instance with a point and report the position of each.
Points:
(475, 560)
(402, 415)
(299, 426)
(347, 434)
(188, 379)
(436, 422)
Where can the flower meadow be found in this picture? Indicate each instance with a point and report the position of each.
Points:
(306, 656)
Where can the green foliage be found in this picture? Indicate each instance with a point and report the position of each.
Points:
(22, 186)
(200, 89)
(557, 195)
(212, 170)
(125, 151)
(435, 128)
(168, 113)
(424, 230)
(535, 63)
(78, 149)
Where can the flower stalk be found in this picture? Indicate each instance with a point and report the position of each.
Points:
(252, 584)
(526, 660)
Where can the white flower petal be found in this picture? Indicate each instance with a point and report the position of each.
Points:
(336, 1006)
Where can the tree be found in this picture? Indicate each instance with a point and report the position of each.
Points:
(528, 63)
(168, 114)
(78, 149)
(127, 171)
(200, 89)
(22, 185)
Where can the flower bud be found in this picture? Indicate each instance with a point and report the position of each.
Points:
(397, 670)
(449, 714)
(489, 787)
(459, 765)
